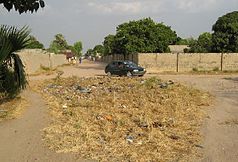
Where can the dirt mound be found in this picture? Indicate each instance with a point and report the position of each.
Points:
(124, 119)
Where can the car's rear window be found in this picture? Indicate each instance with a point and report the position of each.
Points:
(130, 63)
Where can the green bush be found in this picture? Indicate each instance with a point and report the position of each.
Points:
(216, 69)
(195, 69)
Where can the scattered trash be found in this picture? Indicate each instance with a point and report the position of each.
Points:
(65, 106)
(163, 85)
(199, 146)
(83, 90)
(139, 143)
(129, 139)
(117, 111)
(170, 82)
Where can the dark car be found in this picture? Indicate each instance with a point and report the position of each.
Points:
(126, 68)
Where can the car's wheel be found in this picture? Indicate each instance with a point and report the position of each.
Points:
(128, 74)
(109, 74)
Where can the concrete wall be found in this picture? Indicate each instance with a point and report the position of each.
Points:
(33, 59)
(230, 61)
(182, 62)
(199, 61)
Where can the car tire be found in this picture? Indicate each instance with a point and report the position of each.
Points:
(128, 74)
(109, 74)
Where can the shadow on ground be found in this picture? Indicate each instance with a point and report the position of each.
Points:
(232, 79)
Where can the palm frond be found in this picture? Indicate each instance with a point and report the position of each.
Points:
(19, 38)
(5, 44)
(12, 73)
(19, 72)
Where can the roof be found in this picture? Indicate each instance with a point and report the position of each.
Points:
(177, 48)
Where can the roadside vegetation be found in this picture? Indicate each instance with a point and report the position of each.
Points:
(124, 119)
(12, 73)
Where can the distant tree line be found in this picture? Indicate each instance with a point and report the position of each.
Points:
(146, 36)
(223, 39)
(59, 45)
(137, 36)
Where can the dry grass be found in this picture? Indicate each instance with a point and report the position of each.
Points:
(124, 119)
(12, 108)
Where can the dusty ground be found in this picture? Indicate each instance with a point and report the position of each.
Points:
(20, 139)
(221, 128)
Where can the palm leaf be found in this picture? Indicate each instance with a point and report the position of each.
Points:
(19, 72)
(12, 73)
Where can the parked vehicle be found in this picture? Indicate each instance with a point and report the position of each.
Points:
(124, 68)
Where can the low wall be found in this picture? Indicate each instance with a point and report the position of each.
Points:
(33, 59)
(199, 61)
(182, 62)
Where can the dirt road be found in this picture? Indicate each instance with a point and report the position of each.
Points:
(220, 130)
(20, 139)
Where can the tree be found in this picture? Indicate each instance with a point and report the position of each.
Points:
(202, 45)
(98, 49)
(34, 44)
(143, 36)
(109, 44)
(58, 44)
(89, 52)
(225, 36)
(23, 5)
(77, 48)
(186, 41)
(12, 73)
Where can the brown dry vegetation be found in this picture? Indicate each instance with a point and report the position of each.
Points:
(124, 119)
(11, 108)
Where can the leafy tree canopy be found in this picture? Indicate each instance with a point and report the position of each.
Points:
(89, 52)
(203, 44)
(58, 44)
(143, 36)
(225, 36)
(77, 48)
(34, 43)
(108, 44)
(98, 49)
(186, 41)
(23, 5)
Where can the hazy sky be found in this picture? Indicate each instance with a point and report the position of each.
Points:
(91, 20)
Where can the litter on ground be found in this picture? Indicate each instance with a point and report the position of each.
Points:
(124, 119)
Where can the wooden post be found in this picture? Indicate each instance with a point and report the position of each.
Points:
(222, 61)
(50, 59)
(177, 63)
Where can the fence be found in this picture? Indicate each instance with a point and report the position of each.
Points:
(182, 62)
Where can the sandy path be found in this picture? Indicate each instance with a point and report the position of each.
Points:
(20, 139)
(220, 139)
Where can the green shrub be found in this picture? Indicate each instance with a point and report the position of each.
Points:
(195, 69)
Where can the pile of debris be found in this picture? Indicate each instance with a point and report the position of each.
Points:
(124, 119)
